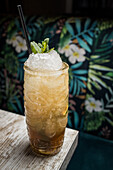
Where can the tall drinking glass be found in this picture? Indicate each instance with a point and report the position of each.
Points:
(46, 108)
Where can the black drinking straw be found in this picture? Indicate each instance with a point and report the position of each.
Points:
(24, 28)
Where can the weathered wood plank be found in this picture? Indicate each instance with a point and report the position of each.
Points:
(16, 153)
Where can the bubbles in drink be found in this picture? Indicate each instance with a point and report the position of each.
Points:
(50, 129)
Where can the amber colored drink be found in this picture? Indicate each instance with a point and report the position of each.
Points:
(46, 108)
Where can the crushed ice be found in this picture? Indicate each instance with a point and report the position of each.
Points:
(44, 61)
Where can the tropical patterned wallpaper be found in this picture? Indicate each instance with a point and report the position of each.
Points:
(86, 45)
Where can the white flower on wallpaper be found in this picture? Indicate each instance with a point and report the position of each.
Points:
(13, 41)
(93, 105)
(73, 53)
(77, 54)
(18, 43)
(65, 50)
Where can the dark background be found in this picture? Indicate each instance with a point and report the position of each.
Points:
(98, 8)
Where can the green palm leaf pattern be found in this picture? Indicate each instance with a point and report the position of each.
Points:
(78, 78)
(109, 102)
(65, 37)
(93, 120)
(100, 76)
(99, 69)
(96, 73)
(83, 35)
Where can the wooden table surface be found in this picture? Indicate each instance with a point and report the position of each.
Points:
(16, 153)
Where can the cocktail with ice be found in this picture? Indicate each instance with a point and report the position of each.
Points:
(46, 101)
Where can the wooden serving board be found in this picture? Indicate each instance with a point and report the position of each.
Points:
(16, 153)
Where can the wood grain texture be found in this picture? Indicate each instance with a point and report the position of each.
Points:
(16, 153)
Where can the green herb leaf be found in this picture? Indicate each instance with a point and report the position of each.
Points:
(41, 48)
(46, 40)
(35, 48)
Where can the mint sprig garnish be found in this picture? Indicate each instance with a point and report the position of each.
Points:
(40, 48)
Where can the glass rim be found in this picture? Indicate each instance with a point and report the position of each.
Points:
(63, 69)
